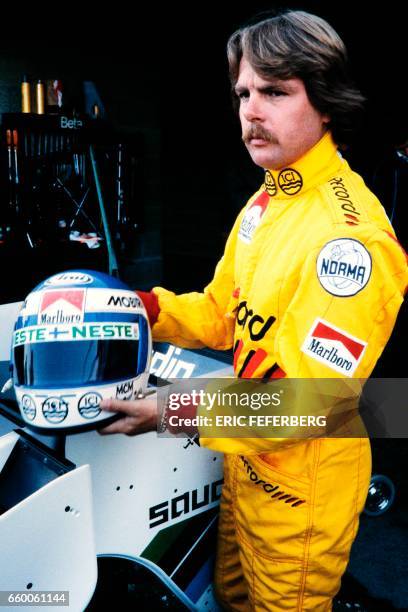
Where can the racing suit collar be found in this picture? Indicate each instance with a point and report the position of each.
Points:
(316, 166)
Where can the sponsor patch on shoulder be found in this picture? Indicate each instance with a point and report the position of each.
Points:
(334, 347)
(343, 267)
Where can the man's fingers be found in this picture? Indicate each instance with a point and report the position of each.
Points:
(124, 425)
(130, 408)
(137, 416)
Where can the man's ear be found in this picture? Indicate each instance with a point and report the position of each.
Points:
(326, 119)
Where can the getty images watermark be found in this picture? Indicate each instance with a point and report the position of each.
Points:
(180, 402)
(284, 408)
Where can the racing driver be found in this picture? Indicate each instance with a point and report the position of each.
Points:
(309, 286)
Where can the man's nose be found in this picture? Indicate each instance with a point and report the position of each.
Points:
(252, 109)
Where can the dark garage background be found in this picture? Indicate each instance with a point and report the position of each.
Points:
(162, 76)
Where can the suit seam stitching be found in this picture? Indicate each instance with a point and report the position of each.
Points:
(309, 529)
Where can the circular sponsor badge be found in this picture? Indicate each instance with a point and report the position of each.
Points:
(343, 267)
(88, 405)
(270, 185)
(28, 407)
(290, 181)
(55, 409)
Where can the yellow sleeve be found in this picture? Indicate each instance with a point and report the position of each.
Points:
(195, 320)
(332, 328)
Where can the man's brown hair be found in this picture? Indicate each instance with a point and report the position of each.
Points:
(298, 44)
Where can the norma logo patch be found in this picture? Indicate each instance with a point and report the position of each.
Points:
(334, 347)
(253, 217)
(64, 306)
(343, 267)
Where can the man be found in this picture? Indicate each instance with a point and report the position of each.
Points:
(309, 287)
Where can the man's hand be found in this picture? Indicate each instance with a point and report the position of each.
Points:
(138, 416)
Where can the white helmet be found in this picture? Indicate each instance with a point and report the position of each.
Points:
(80, 337)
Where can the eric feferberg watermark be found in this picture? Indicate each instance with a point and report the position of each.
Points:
(252, 420)
(224, 399)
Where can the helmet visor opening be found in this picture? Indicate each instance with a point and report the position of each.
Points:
(69, 364)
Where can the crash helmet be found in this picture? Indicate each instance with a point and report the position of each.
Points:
(81, 336)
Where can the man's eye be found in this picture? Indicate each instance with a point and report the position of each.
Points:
(243, 95)
(274, 93)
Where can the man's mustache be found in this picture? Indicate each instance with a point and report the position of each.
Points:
(257, 131)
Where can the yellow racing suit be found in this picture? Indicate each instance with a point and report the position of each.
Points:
(309, 286)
